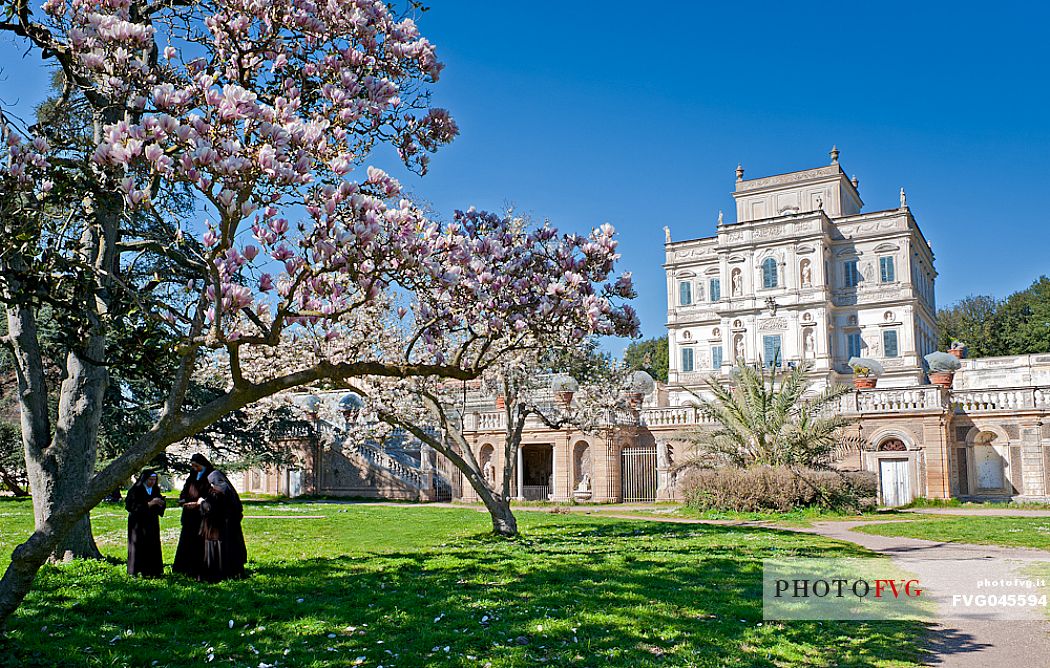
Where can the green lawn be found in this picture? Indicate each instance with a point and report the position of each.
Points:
(795, 518)
(922, 502)
(802, 517)
(985, 530)
(415, 586)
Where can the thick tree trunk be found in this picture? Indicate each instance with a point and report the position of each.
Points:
(65, 468)
(503, 521)
(56, 471)
(59, 466)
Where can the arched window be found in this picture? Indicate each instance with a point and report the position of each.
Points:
(892, 445)
(769, 273)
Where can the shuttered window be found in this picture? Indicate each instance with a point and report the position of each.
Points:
(687, 359)
(853, 344)
(769, 273)
(886, 269)
(852, 274)
(889, 342)
(685, 293)
(716, 357)
(771, 350)
(716, 289)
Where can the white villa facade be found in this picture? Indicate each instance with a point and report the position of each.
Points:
(803, 274)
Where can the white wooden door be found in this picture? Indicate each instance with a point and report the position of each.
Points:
(895, 482)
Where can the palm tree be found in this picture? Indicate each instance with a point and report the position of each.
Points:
(765, 417)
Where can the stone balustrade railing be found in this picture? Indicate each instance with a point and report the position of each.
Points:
(925, 398)
(889, 400)
(497, 420)
(488, 421)
(382, 459)
(1001, 399)
(673, 415)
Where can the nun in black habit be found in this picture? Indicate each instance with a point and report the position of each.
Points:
(145, 505)
(221, 514)
(189, 556)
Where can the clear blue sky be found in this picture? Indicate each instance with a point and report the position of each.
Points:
(637, 114)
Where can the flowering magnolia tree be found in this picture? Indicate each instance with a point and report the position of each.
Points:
(296, 272)
(414, 404)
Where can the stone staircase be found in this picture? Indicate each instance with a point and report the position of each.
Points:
(400, 460)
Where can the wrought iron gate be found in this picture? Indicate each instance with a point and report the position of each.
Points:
(638, 477)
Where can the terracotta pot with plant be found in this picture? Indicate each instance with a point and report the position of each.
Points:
(942, 368)
(866, 372)
(958, 350)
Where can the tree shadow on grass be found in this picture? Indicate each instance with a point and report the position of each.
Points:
(581, 592)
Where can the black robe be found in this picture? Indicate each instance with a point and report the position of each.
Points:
(224, 550)
(189, 556)
(144, 512)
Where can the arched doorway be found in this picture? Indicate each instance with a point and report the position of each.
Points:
(895, 469)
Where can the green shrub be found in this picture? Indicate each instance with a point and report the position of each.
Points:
(778, 489)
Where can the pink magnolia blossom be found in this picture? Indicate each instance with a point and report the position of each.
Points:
(269, 119)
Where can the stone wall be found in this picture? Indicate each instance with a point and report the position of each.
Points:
(1004, 372)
